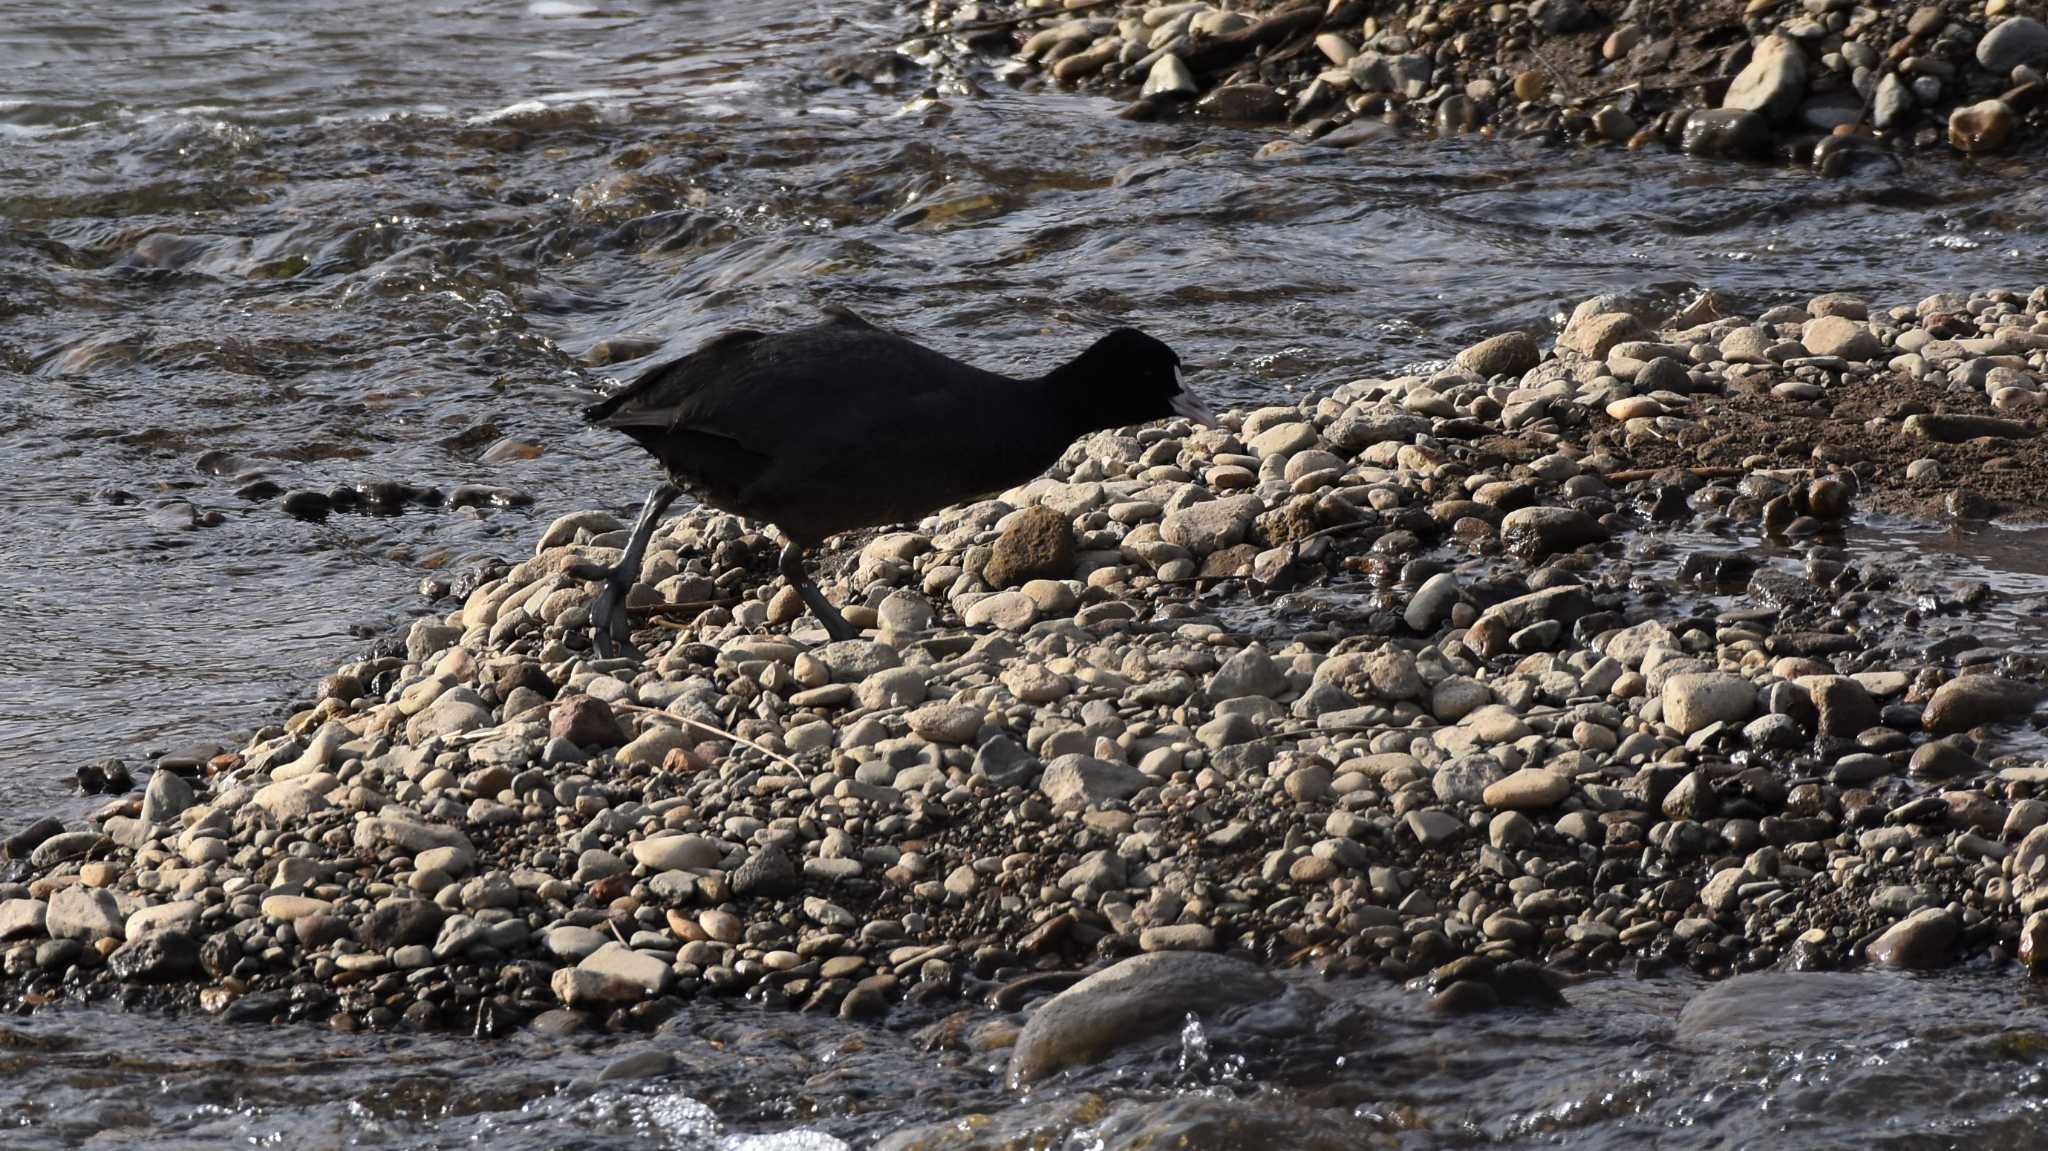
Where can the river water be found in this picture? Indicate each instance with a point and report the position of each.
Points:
(347, 243)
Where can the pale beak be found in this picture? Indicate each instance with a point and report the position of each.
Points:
(1188, 404)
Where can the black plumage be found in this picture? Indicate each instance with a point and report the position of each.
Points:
(844, 425)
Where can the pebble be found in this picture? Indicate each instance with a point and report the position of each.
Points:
(1774, 81)
(1510, 354)
(1920, 940)
(84, 914)
(1841, 337)
(678, 853)
(1695, 700)
(1169, 77)
(1080, 780)
(1986, 126)
(1530, 789)
(2012, 42)
(1970, 700)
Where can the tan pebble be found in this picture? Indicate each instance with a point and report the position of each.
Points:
(99, 874)
(1634, 407)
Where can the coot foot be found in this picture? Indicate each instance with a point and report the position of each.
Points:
(608, 626)
(793, 571)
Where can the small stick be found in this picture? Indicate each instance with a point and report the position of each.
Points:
(1705, 473)
(1569, 84)
(714, 729)
(653, 609)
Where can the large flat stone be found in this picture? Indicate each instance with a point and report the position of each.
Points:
(1132, 1000)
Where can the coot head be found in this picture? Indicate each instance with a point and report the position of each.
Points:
(1127, 378)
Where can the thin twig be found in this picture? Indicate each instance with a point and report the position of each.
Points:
(653, 609)
(714, 729)
(1557, 75)
(1706, 473)
(1643, 89)
(1335, 530)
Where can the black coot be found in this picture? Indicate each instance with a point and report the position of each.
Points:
(843, 425)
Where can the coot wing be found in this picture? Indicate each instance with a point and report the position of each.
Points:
(651, 399)
(810, 390)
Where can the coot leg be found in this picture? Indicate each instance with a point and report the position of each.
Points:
(608, 627)
(793, 571)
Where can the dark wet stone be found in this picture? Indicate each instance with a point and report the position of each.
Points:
(560, 1022)
(383, 495)
(526, 674)
(482, 496)
(1254, 103)
(307, 504)
(156, 957)
(869, 998)
(260, 1007)
(1716, 569)
(767, 874)
(1728, 132)
(1005, 763)
(1527, 984)
(317, 931)
(1812, 643)
(109, 778)
(64, 846)
(220, 954)
(1465, 997)
(1542, 531)
(1780, 589)
(1942, 759)
(22, 843)
(400, 923)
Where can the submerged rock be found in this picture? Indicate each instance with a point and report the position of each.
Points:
(1130, 1001)
(1753, 1007)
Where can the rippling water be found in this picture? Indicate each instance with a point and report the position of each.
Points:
(1809, 1061)
(353, 242)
